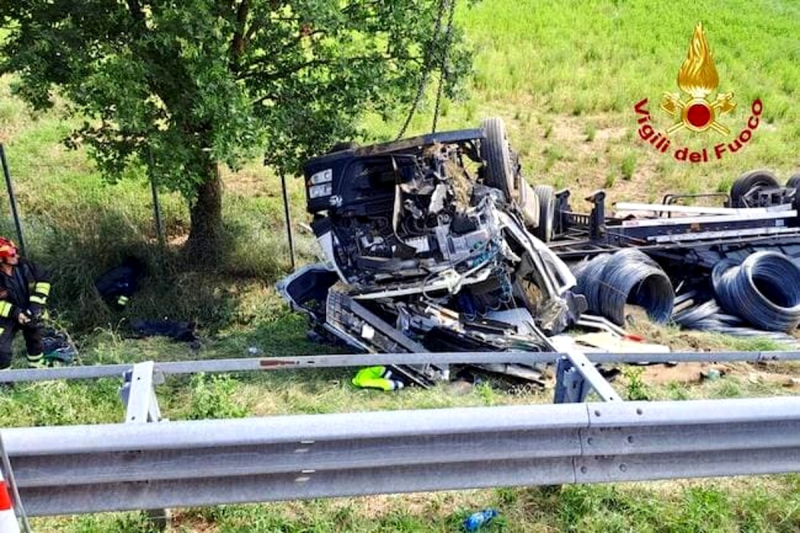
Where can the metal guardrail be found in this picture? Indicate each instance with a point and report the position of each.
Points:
(114, 467)
(356, 360)
(148, 463)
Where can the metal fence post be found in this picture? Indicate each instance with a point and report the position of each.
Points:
(12, 198)
(141, 407)
(156, 203)
(289, 233)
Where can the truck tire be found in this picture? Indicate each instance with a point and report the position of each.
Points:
(341, 146)
(547, 212)
(794, 181)
(750, 181)
(530, 206)
(499, 172)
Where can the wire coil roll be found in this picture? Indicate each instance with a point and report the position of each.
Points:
(764, 290)
(588, 278)
(626, 277)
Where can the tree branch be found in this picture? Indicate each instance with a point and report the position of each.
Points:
(254, 27)
(280, 74)
(238, 43)
(354, 6)
(136, 10)
(270, 58)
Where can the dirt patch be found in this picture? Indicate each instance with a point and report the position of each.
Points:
(250, 181)
(186, 522)
(586, 153)
(684, 373)
(696, 372)
(788, 381)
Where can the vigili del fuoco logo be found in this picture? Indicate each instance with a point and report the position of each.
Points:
(698, 108)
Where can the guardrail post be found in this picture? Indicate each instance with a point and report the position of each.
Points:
(576, 376)
(571, 387)
(141, 405)
(138, 394)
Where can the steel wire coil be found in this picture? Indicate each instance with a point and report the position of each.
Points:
(630, 277)
(764, 290)
(588, 276)
(703, 311)
(720, 289)
(708, 316)
(609, 282)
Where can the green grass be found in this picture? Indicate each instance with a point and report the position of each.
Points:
(577, 63)
(709, 507)
(565, 76)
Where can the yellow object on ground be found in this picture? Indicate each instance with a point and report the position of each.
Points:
(376, 377)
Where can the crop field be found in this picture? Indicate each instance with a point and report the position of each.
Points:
(566, 77)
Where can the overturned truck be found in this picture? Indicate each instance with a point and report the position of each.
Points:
(433, 243)
(438, 243)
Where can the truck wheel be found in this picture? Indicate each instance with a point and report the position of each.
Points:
(340, 146)
(547, 212)
(794, 182)
(495, 152)
(530, 206)
(750, 182)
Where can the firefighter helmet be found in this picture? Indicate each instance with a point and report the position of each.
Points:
(7, 248)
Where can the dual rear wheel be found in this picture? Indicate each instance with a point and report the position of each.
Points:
(538, 204)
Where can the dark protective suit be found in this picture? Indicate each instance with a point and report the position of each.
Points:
(24, 291)
(117, 285)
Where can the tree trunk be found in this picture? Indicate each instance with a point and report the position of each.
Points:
(205, 235)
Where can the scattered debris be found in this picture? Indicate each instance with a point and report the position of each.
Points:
(177, 330)
(58, 348)
(475, 521)
(428, 246)
(712, 374)
(615, 343)
(438, 244)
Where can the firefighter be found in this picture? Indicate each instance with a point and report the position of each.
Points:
(24, 288)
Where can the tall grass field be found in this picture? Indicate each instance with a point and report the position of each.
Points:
(566, 77)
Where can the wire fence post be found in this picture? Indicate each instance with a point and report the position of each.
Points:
(12, 198)
(289, 233)
(156, 203)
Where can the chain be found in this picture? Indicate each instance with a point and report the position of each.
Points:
(443, 66)
(427, 66)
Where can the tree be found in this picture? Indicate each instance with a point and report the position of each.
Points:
(181, 87)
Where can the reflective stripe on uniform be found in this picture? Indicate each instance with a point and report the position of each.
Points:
(42, 287)
(376, 377)
(36, 299)
(122, 300)
(5, 309)
(35, 358)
